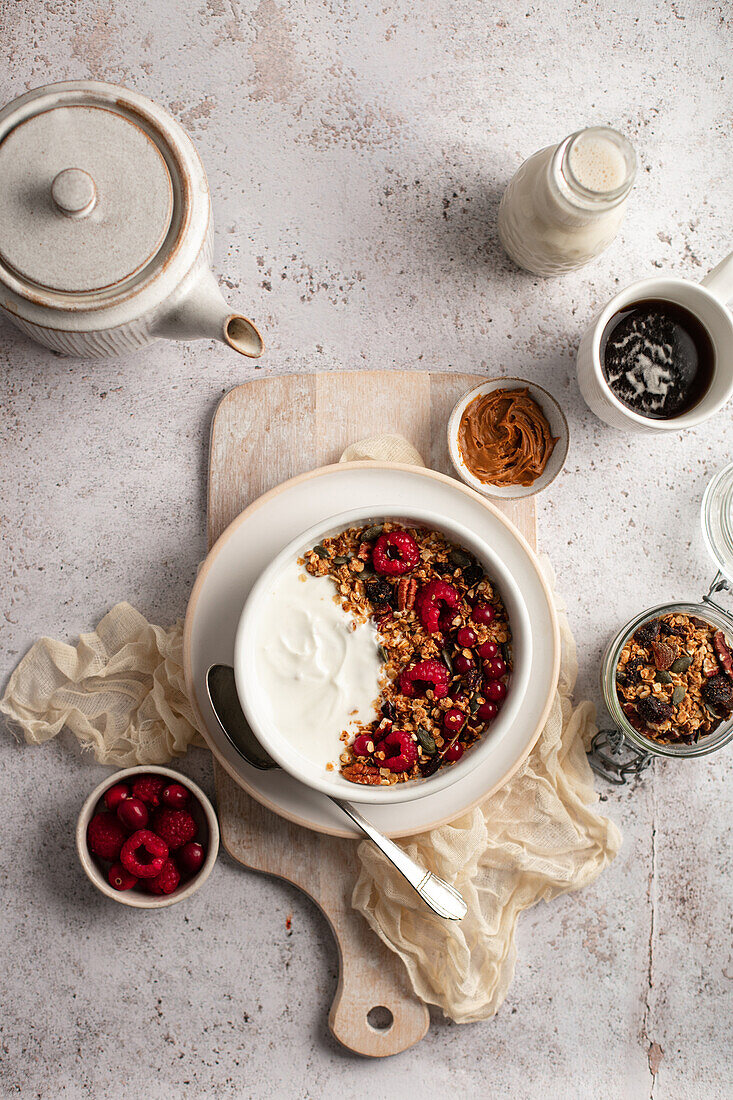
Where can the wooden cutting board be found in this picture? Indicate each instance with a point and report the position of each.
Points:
(263, 433)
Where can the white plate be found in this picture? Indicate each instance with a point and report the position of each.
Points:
(253, 540)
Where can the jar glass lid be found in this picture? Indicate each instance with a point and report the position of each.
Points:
(86, 198)
(717, 520)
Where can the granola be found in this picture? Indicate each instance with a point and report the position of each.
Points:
(674, 679)
(445, 643)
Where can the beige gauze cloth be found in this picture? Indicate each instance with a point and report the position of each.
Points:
(121, 691)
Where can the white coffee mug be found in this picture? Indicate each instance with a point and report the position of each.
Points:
(708, 302)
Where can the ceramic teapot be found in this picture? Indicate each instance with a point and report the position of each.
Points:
(105, 225)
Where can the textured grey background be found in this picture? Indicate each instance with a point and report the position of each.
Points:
(356, 154)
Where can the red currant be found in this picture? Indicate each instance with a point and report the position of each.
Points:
(115, 795)
(191, 857)
(454, 720)
(120, 878)
(175, 795)
(483, 613)
(454, 751)
(495, 690)
(466, 637)
(494, 670)
(361, 744)
(463, 664)
(488, 650)
(133, 814)
(488, 711)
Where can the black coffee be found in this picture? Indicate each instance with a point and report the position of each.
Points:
(657, 358)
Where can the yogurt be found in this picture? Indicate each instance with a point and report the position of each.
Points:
(318, 666)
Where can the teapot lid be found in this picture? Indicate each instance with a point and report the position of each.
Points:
(92, 194)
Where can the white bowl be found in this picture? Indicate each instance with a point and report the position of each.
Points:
(135, 898)
(558, 427)
(254, 702)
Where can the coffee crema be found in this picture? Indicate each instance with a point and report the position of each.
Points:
(657, 358)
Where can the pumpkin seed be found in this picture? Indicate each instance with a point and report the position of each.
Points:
(382, 653)
(448, 660)
(372, 532)
(474, 704)
(681, 664)
(662, 677)
(713, 713)
(506, 652)
(427, 744)
(459, 558)
(678, 694)
(342, 560)
(320, 550)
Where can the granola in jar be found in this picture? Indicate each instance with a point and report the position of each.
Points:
(674, 679)
(445, 642)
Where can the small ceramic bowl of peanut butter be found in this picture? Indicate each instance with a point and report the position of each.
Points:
(508, 438)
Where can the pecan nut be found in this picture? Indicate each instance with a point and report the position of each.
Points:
(406, 592)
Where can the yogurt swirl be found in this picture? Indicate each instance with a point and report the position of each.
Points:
(319, 667)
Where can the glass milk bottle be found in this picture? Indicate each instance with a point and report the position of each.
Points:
(566, 203)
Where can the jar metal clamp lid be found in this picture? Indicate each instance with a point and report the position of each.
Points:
(622, 751)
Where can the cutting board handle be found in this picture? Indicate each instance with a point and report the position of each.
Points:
(373, 1012)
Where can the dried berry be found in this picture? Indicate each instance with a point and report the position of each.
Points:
(654, 711)
(663, 654)
(378, 591)
(647, 632)
(718, 691)
(389, 710)
(473, 574)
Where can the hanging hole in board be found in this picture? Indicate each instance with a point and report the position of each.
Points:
(380, 1018)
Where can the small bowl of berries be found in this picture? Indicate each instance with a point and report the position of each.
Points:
(147, 837)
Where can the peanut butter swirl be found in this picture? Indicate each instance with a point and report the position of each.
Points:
(504, 438)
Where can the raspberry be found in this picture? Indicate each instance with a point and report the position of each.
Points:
(400, 751)
(143, 854)
(466, 637)
(148, 789)
(115, 795)
(133, 814)
(166, 880)
(191, 858)
(433, 599)
(395, 553)
(175, 795)
(453, 752)
(176, 827)
(483, 613)
(424, 676)
(105, 836)
(454, 720)
(121, 879)
(494, 669)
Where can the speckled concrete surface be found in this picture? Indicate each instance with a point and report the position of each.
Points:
(356, 154)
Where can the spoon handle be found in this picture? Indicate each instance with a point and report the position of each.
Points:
(437, 894)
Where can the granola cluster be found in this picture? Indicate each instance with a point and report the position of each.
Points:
(445, 644)
(674, 679)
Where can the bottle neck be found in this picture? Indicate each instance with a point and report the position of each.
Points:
(592, 172)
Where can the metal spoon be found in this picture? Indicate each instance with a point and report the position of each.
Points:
(437, 894)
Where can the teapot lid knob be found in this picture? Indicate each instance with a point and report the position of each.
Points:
(74, 192)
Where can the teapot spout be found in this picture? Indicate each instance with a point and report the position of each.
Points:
(202, 313)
